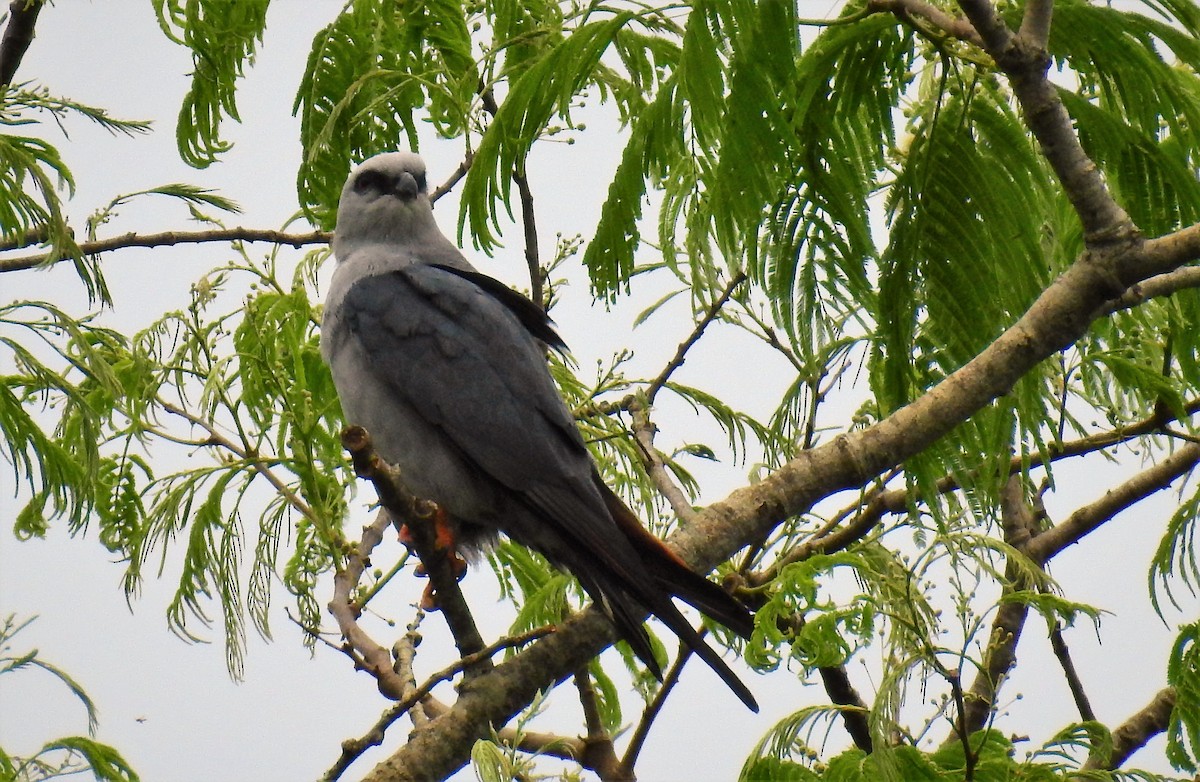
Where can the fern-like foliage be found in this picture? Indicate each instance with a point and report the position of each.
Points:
(368, 73)
(222, 38)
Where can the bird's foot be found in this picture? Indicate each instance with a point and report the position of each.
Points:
(444, 543)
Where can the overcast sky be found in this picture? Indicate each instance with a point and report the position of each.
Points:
(170, 707)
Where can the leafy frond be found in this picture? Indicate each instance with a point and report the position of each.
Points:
(544, 90)
(222, 40)
(368, 72)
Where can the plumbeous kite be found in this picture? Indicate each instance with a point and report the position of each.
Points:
(445, 367)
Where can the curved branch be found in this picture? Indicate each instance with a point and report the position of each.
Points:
(372, 656)
(168, 239)
(1133, 734)
(1025, 61)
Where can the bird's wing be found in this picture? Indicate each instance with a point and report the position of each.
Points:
(458, 354)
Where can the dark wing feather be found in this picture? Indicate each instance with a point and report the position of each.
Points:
(462, 351)
(465, 362)
(532, 317)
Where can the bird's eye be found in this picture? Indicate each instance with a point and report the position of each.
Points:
(370, 181)
(421, 185)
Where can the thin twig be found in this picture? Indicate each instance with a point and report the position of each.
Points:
(528, 215)
(455, 177)
(681, 352)
(643, 432)
(962, 731)
(168, 239)
(217, 438)
(855, 712)
(1020, 525)
(654, 707)
(1059, 645)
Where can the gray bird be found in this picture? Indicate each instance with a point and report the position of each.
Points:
(445, 367)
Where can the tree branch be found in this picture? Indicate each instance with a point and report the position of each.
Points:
(1133, 734)
(373, 658)
(18, 35)
(855, 712)
(953, 26)
(1020, 527)
(1035, 24)
(259, 465)
(168, 239)
(416, 514)
(598, 754)
(1090, 517)
(1059, 645)
(680, 356)
(352, 749)
(643, 432)
(654, 708)
(1025, 61)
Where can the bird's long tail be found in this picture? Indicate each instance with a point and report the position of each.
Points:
(674, 577)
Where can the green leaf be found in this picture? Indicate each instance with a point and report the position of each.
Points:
(222, 39)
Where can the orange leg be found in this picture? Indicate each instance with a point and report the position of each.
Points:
(443, 542)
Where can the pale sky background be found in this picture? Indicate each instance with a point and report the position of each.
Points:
(170, 707)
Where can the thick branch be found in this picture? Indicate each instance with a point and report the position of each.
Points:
(1035, 25)
(1025, 61)
(1133, 734)
(167, 239)
(22, 15)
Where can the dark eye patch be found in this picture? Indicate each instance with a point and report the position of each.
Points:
(371, 181)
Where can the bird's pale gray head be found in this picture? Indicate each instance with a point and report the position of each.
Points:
(385, 200)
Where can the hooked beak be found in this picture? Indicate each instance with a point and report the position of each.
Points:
(406, 187)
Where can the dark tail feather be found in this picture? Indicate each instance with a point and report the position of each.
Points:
(627, 618)
(676, 578)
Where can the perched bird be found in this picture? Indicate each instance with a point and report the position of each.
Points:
(445, 367)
